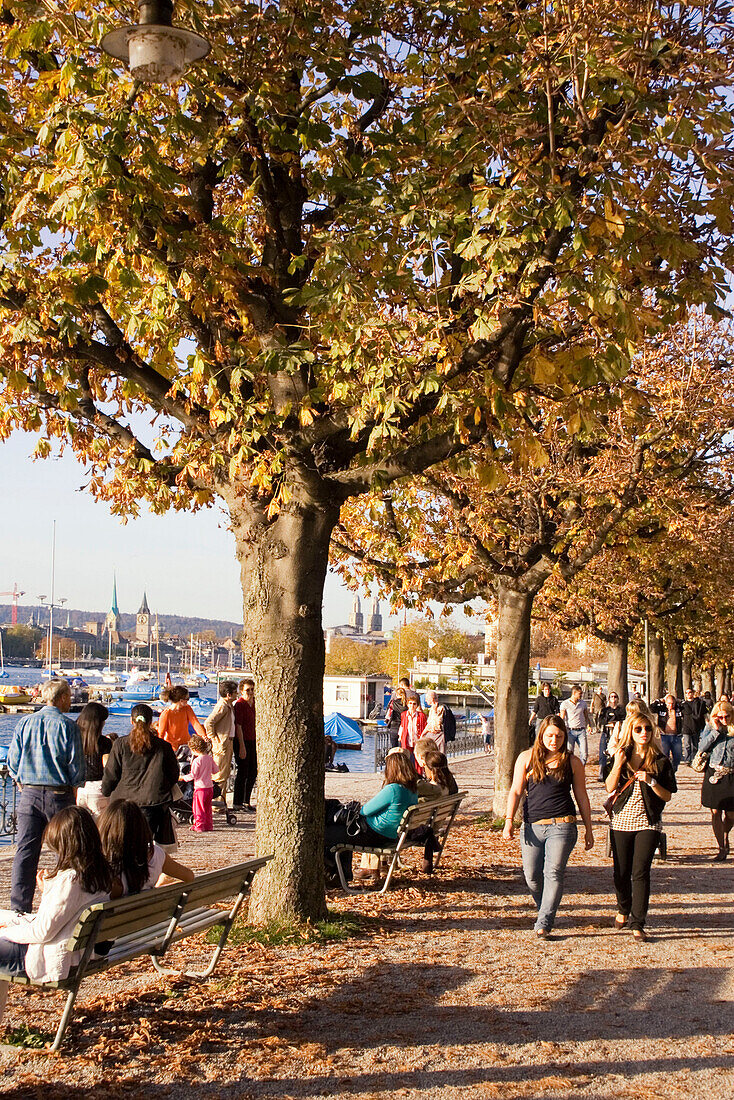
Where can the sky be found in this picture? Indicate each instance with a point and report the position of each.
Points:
(186, 563)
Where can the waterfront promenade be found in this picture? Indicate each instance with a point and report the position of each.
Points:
(443, 992)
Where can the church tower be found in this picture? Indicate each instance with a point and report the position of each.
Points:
(375, 617)
(112, 618)
(142, 623)
(356, 619)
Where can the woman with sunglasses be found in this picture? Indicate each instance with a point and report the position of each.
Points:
(642, 780)
(717, 791)
(612, 713)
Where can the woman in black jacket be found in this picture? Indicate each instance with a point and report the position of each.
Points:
(643, 780)
(612, 713)
(144, 768)
(544, 706)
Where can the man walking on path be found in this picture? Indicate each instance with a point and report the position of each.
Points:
(245, 746)
(46, 760)
(575, 714)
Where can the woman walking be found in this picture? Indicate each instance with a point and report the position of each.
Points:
(641, 780)
(144, 768)
(717, 791)
(548, 773)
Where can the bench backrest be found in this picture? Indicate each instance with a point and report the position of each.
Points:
(434, 812)
(154, 908)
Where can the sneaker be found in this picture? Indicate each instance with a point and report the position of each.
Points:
(250, 809)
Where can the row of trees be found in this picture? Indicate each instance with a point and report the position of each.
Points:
(361, 247)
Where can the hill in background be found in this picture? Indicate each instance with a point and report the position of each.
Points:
(183, 625)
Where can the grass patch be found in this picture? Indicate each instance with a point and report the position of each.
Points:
(489, 821)
(284, 933)
(25, 1036)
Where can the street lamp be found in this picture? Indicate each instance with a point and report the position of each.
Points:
(153, 49)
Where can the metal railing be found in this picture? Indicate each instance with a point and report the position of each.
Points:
(8, 801)
(469, 739)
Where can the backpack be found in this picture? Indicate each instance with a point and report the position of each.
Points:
(449, 723)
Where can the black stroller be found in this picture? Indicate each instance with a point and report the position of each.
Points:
(183, 809)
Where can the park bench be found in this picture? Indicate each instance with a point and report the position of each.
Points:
(436, 814)
(147, 924)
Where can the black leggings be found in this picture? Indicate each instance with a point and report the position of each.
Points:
(633, 854)
(337, 834)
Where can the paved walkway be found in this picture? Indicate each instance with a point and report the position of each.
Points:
(446, 993)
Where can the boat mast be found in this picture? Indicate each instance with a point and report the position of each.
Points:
(51, 605)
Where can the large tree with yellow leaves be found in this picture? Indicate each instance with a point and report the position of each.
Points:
(352, 241)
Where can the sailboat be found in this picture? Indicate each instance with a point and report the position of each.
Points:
(3, 673)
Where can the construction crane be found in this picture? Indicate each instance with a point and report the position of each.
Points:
(16, 594)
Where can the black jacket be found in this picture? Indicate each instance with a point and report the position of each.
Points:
(145, 778)
(694, 716)
(610, 715)
(544, 706)
(654, 806)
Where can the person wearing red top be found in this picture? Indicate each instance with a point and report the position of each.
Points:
(245, 746)
(412, 724)
(173, 724)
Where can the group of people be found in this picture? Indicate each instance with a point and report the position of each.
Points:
(58, 762)
(407, 722)
(640, 750)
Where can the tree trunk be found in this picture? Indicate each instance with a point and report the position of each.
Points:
(720, 673)
(727, 680)
(511, 714)
(617, 675)
(708, 681)
(284, 564)
(656, 687)
(674, 668)
(687, 674)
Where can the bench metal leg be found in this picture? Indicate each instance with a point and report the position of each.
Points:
(65, 1018)
(342, 877)
(394, 862)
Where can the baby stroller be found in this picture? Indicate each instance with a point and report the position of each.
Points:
(183, 809)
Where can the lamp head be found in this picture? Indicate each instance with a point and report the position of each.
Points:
(154, 50)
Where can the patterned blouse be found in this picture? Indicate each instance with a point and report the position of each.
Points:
(633, 817)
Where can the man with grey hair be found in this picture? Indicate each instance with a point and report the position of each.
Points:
(435, 727)
(46, 759)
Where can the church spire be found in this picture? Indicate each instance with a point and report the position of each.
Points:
(115, 610)
(144, 609)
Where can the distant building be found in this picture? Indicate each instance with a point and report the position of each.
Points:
(143, 633)
(112, 618)
(375, 617)
(356, 619)
(355, 696)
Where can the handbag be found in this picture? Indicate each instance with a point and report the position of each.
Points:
(609, 802)
(349, 814)
(700, 761)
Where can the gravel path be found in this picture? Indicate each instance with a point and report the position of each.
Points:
(446, 989)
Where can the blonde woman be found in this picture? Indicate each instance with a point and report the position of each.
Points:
(717, 790)
(642, 780)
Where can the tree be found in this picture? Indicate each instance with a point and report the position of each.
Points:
(349, 244)
(20, 641)
(349, 658)
(502, 532)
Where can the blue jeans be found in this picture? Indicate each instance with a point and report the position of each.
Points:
(12, 956)
(545, 852)
(603, 746)
(36, 807)
(672, 746)
(578, 737)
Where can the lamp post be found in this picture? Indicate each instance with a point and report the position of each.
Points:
(154, 50)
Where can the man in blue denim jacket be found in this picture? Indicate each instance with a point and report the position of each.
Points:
(46, 759)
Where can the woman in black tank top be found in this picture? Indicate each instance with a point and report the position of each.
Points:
(547, 774)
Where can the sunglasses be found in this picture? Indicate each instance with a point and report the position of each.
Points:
(641, 729)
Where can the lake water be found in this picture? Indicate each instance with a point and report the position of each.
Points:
(361, 761)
